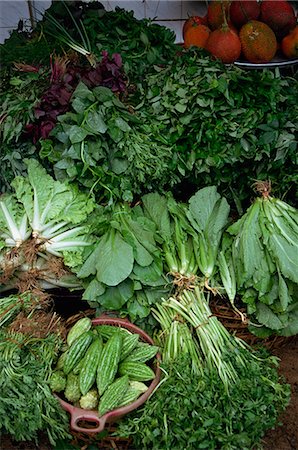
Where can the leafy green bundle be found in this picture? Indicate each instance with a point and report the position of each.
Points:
(27, 404)
(228, 126)
(43, 227)
(190, 234)
(261, 252)
(141, 42)
(124, 270)
(18, 100)
(105, 148)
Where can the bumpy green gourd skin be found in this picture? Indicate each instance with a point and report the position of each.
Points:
(107, 331)
(77, 351)
(142, 354)
(61, 360)
(72, 391)
(90, 363)
(57, 381)
(80, 327)
(108, 363)
(89, 400)
(136, 371)
(77, 369)
(129, 343)
(113, 395)
(135, 389)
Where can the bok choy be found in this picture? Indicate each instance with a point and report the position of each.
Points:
(261, 249)
(43, 229)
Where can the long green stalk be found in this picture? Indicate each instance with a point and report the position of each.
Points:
(215, 342)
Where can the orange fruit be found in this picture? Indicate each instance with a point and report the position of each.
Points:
(224, 44)
(258, 42)
(289, 44)
(196, 35)
(215, 13)
(193, 20)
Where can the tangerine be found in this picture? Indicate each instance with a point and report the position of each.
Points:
(197, 36)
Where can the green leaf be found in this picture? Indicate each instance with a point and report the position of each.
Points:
(77, 134)
(181, 107)
(150, 275)
(283, 291)
(116, 297)
(95, 123)
(94, 290)
(267, 317)
(155, 206)
(201, 206)
(114, 259)
(144, 38)
(83, 92)
(122, 124)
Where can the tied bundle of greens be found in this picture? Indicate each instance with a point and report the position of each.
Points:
(260, 258)
(12, 305)
(27, 405)
(216, 392)
(124, 270)
(190, 234)
(43, 230)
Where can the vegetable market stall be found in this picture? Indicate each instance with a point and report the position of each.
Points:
(128, 179)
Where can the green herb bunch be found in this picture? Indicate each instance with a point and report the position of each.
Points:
(228, 126)
(27, 405)
(190, 411)
(107, 149)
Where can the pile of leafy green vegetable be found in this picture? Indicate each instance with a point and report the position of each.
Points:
(192, 412)
(107, 149)
(27, 405)
(260, 254)
(43, 230)
(228, 126)
(215, 392)
(124, 270)
(141, 43)
(18, 99)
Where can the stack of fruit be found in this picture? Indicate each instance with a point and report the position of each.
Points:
(251, 28)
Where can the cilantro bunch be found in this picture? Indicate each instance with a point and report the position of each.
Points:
(189, 411)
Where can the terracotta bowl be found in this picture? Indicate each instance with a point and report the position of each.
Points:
(95, 424)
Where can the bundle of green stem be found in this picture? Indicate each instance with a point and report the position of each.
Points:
(176, 338)
(259, 260)
(191, 233)
(188, 326)
(27, 404)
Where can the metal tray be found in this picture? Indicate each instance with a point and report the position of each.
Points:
(275, 63)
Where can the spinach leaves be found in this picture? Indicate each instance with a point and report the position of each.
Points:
(107, 149)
